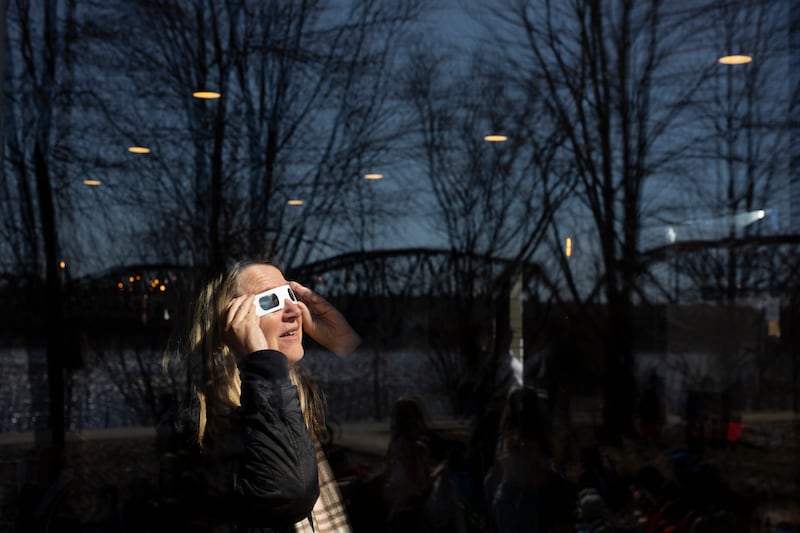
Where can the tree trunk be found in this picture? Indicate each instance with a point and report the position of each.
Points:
(619, 387)
(51, 303)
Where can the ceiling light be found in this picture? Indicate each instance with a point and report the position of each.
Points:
(295, 202)
(373, 176)
(206, 95)
(139, 149)
(91, 182)
(495, 138)
(735, 59)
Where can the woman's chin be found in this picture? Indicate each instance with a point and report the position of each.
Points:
(293, 351)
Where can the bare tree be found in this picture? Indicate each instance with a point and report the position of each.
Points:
(305, 110)
(614, 79)
(488, 200)
(745, 109)
(39, 67)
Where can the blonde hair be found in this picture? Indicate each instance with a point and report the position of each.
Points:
(220, 387)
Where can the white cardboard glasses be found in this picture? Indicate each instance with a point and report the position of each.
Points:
(273, 300)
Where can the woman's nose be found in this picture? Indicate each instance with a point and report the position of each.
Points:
(290, 308)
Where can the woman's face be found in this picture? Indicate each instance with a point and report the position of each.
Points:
(287, 323)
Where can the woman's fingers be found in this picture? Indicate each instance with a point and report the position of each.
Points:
(306, 314)
(242, 330)
(323, 322)
(303, 293)
(233, 309)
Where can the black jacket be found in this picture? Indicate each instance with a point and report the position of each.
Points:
(264, 477)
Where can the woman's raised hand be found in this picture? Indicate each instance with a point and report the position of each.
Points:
(324, 323)
(243, 333)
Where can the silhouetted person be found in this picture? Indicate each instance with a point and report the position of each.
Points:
(599, 473)
(413, 460)
(651, 410)
(695, 430)
(523, 490)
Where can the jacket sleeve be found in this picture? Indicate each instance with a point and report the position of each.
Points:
(276, 478)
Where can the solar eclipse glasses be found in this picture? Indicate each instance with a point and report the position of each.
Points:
(273, 300)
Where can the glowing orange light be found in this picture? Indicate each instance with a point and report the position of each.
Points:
(162, 288)
(139, 149)
(92, 182)
(295, 202)
(568, 246)
(375, 176)
(62, 264)
(495, 138)
(738, 59)
(206, 95)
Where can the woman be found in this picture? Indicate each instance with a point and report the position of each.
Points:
(257, 421)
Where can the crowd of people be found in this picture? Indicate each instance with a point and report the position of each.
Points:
(511, 476)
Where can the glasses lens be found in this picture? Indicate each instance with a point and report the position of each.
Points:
(268, 301)
(292, 297)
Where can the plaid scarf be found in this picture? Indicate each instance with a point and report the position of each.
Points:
(329, 514)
